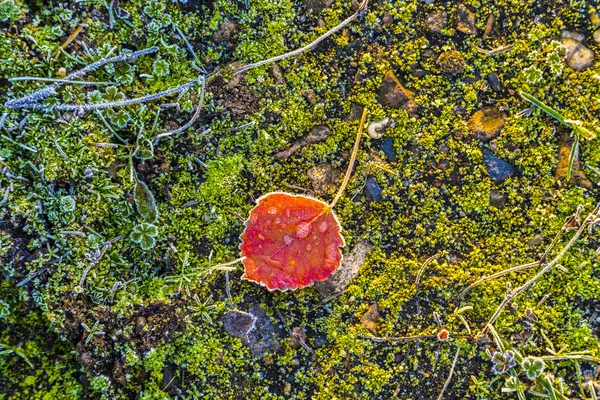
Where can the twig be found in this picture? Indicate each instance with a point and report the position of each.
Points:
(97, 259)
(122, 103)
(497, 275)
(511, 294)
(352, 159)
(35, 78)
(309, 46)
(399, 338)
(441, 396)
(70, 38)
(194, 117)
(418, 280)
(32, 100)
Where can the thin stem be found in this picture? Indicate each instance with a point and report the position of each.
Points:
(514, 293)
(35, 78)
(194, 117)
(309, 46)
(352, 159)
(441, 396)
(497, 275)
(122, 103)
(32, 100)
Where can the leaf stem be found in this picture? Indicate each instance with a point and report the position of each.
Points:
(352, 159)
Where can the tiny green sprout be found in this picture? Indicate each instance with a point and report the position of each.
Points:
(120, 118)
(95, 330)
(6, 349)
(203, 308)
(511, 385)
(4, 309)
(160, 67)
(144, 234)
(533, 367)
(533, 75)
(503, 362)
(67, 204)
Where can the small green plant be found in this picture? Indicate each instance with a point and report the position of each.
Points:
(95, 330)
(9, 10)
(67, 204)
(203, 308)
(533, 367)
(6, 349)
(145, 235)
(160, 67)
(579, 130)
(4, 309)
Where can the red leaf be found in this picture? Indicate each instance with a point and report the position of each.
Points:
(290, 241)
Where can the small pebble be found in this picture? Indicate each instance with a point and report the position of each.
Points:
(497, 169)
(373, 189)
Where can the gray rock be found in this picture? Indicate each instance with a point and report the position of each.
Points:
(310, 96)
(316, 134)
(254, 328)
(535, 241)
(494, 81)
(497, 198)
(340, 279)
(497, 169)
(225, 32)
(373, 189)
(387, 146)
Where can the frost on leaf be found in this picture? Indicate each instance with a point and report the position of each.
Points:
(290, 242)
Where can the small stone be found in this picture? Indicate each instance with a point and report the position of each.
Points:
(377, 129)
(225, 32)
(597, 36)
(324, 178)
(576, 36)
(443, 165)
(355, 112)
(466, 20)
(62, 72)
(451, 62)
(370, 318)
(298, 337)
(494, 81)
(436, 21)
(486, 124)
(316, 134)
(535, 241)
(254, 328)
(497, 169)
(320, 341)
(387, 19)
(340, 279)
(387, 146)
(497, 199)
(373, 189)
(578, 177)
(140, 324)
(310, 96)
(287, 387)
(86, 359)
(317, 5)
(578, 56)
(394, 95)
